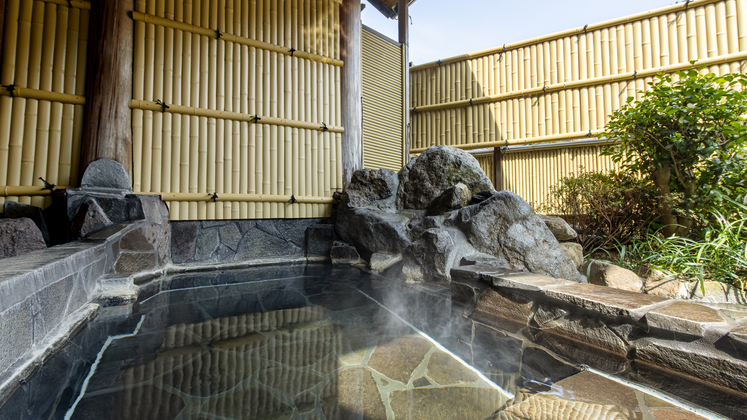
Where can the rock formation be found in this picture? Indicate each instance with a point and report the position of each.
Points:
(440, 210)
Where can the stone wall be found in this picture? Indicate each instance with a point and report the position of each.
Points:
(39, 290)
(235, 241)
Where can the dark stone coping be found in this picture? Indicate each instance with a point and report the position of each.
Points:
(637, 325)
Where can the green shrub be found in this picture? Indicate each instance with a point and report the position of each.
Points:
(721, 254)
(604, 208)
(688, 135)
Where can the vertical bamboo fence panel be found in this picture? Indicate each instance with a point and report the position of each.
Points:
(382, 85)
(236, 106)
(565, 85)
(522, 164)
(44, 48)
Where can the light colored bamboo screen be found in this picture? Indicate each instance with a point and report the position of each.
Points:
(565, 85)
(45, 46)
(189, 149)
(487, 165)
(383, 86)
(531, 173)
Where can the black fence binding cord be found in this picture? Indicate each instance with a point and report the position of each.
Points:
(214, 197)
(293, 199)
(164, 107)
(47, 185)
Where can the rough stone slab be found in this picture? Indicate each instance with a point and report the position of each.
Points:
(398, 358)
(319, 240)
(667, 287)
(699, 361)
(590, 387)
(353, 393)
(183, 239)
(380, 261)
(499, 304)
(605, 274)
(106, 173)
(476, 272)
(446, 370)
(445, 403)
(133, 262)
(684, 317)
(526, 281)
(589, 331)
(716, 292)
(119, 297)
(546, 406)
(19, 236)
(606, 300)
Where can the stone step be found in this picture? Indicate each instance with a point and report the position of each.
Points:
(117, 290)
(115, 282)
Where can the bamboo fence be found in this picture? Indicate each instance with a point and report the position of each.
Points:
(383, 114)
(236, 107)
(564, 86)
(43, 74)
(521, 164)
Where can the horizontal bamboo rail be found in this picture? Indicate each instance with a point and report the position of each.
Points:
(621, 77)
(232, 116)
(528, 140)
(243, 198)
(547, 146)
(168, 23)
(576, 31)
(21, 92)
(11, 191)
(77, 4)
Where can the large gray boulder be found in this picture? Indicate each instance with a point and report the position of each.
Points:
(371, 230)
(433, 252)
(368, 186)
(19, 236)
(506, 227)
(435, 170)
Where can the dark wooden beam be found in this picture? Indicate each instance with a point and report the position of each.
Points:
(350, 80)
(107, 132)
(404, 39)
(498, 169)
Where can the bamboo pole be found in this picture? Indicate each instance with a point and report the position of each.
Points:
(170, 130)
(28, 191)
(159, 130)
(80, 85)
(148, 18)
(211, 125)
(148, 92)
(741, 18)
(202, 138)
(7, 77)
(67, 124)
(35, 164)
(18, 33)
(58, 84)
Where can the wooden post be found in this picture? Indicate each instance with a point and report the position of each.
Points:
(498, 168)
(404, 39)
(107, 132)
(350, 81)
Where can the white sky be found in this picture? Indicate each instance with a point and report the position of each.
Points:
(445, 28)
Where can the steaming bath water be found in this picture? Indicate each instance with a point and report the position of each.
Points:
(315, 343)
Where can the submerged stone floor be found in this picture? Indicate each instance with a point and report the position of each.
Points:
(314, 343)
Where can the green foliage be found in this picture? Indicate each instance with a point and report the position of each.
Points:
(603, 207)
(721, 255)
(694, 125)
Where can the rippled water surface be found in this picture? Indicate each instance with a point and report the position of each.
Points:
(315, 343)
